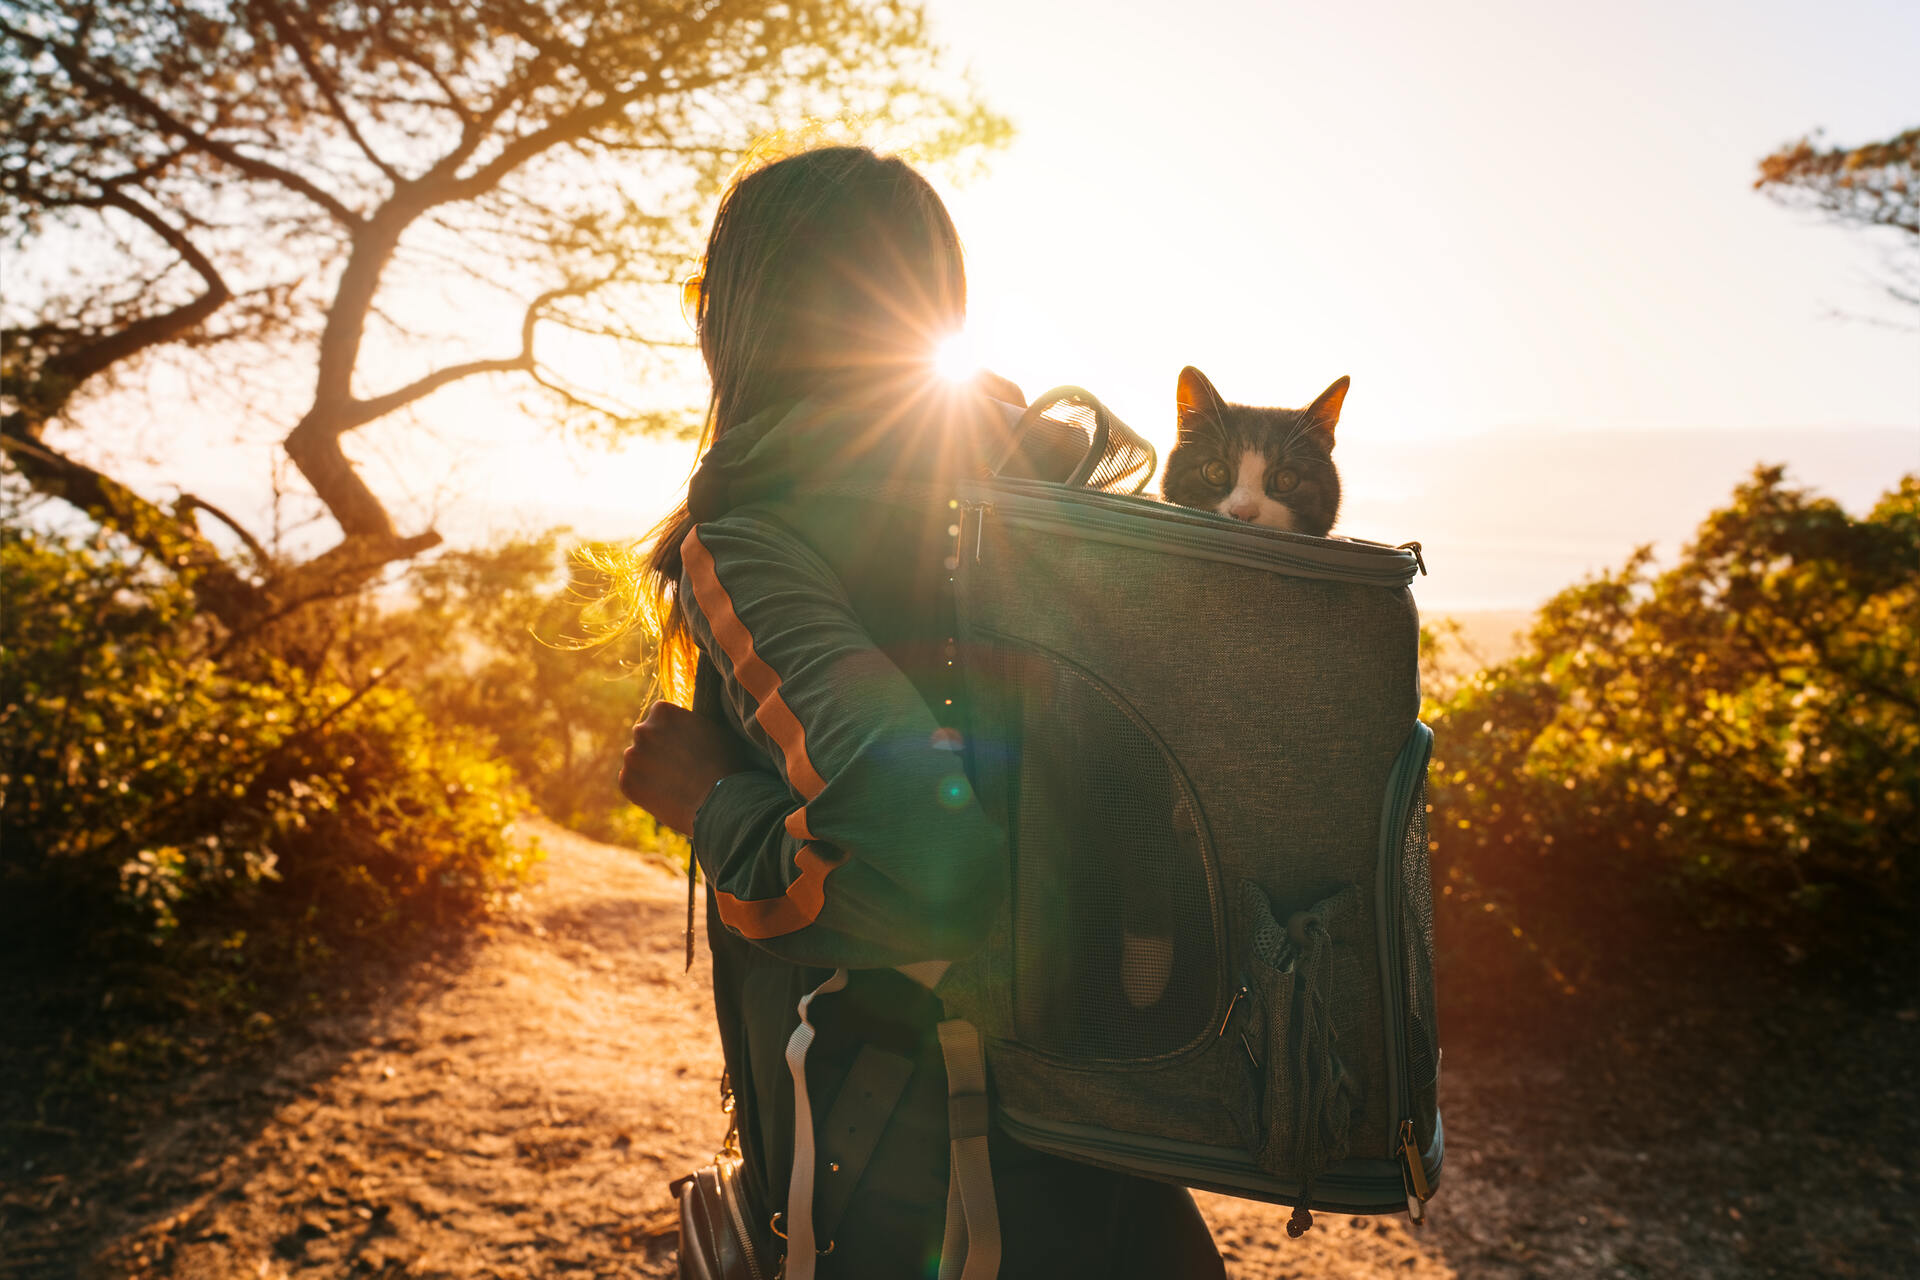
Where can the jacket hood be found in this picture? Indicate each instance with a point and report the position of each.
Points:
(932, 433)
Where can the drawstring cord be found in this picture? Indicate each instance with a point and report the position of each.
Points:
(1319, 1143)
(692, 865)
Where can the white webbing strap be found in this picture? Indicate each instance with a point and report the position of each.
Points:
(800, 1249)
(971, 1247)
(973, 1219)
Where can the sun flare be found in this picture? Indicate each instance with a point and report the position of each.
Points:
(955, 358)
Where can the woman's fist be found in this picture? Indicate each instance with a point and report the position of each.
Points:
(675, 759)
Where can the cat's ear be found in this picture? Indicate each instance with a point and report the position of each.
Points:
(1196, 399)
(1324, 413)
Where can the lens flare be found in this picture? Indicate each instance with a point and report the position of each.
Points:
(955, 358)
(953, 792)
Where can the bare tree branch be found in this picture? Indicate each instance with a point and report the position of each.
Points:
(220, 590)
(77, 366)
(365, 411)
(76, 67)
(189, 503)
(297, 40)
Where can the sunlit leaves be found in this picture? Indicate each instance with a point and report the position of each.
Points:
(559, 712)
(141, 782)
(1874, 185)
(1746, 721)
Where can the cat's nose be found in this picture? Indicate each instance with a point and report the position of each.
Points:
(1246, 511)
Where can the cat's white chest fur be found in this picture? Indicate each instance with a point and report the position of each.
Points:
(1249, 499)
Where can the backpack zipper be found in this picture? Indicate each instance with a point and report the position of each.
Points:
(730, 1194)
(1413, 1172)
(1395, 823)
(1157, 526)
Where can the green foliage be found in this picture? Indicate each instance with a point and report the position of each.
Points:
(1746, 722)
(490, 639)
(150, 783)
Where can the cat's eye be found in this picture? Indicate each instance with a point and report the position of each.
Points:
(1215, 473)
(1285, 480)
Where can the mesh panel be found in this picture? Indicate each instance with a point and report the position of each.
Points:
(1108, 454)
(1416, 932)
(1114, 951)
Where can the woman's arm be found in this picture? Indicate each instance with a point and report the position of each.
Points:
(676, 760)
(867, 846)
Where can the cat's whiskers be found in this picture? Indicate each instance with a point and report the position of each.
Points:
(1258, 447)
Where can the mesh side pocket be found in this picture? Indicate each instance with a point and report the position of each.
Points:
(1299, 970)
(1416, 963)
(1114, 950)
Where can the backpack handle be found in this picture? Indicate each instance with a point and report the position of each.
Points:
(1068, 437)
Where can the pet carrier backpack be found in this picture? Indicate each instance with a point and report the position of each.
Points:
(1214, 963)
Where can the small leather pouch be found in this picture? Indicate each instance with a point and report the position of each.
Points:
(714, 1240)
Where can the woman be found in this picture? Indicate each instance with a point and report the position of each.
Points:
(828, 812)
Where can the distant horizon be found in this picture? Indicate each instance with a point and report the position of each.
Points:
(1506, 517)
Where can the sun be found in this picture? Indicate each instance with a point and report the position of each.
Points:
(955, 358)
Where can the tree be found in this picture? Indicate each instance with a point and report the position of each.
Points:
(1746, 722)
(560, 708)
(265, 193)
(1876, 185)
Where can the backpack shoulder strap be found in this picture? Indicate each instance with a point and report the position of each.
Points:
(973, 1219)
(970, 1249)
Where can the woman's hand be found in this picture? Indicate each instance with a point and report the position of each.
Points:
(675, 759)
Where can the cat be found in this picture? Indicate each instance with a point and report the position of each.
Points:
(1271, 467)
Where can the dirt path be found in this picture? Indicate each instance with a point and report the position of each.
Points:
(519, 1112)
(521, 1117)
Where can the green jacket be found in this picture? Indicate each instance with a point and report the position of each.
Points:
(817, 583)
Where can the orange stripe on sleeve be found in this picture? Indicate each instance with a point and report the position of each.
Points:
(795, 909)
(775, 717)
(800, 905)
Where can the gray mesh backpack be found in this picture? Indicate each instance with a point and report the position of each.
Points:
(1202, 737)
(1214, 965)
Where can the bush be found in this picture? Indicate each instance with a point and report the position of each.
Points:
(150, 783)
(1745, 724)
(491, 638)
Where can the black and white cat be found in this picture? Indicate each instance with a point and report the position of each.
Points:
(1271, 467)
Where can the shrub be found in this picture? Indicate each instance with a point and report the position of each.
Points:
(148, 782)
(1745, 724)
(490, 638)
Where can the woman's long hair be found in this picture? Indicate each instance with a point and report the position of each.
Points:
(828, 269)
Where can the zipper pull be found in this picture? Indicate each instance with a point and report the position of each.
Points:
(981, 510)
(1245, 1043)
(1232, 1004)
(1413, 1173)
(1417, 557)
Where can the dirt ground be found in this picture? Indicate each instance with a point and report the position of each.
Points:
(517, 1110)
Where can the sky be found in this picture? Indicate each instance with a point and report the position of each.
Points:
(1491, 215)
(1526, 231)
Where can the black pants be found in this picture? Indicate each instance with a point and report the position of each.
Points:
(1058, 1221)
